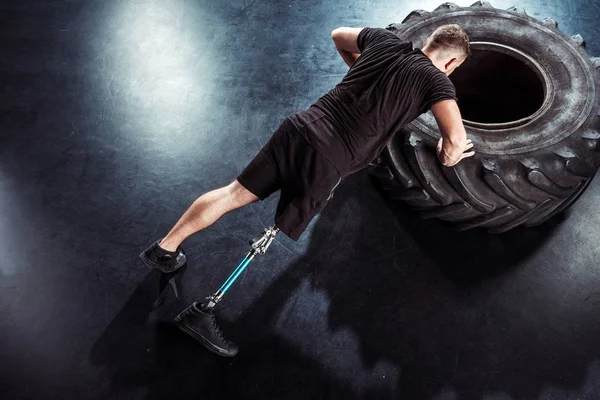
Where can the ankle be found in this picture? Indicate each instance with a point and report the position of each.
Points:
(168, 246)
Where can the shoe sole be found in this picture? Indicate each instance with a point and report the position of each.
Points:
(199, 338)
(151, 264)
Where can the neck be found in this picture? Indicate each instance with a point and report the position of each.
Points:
(434, 59)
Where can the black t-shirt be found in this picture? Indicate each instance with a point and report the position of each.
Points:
(388, 86)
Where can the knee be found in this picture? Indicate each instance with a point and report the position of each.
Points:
(234, 189)
(239, 194)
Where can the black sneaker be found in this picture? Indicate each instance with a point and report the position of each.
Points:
(203, 325)
(159, 258)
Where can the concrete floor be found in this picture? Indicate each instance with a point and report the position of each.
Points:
(117, 114)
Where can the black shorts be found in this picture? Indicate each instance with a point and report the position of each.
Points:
(306, 179)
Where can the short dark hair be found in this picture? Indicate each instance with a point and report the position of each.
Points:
(451, 37)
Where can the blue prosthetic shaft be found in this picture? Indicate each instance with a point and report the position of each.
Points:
(259, 246)
(238, 271)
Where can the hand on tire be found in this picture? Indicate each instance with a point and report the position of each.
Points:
(454, 155)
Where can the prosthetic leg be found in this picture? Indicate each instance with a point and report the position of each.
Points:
(200, 321)
(259, 246)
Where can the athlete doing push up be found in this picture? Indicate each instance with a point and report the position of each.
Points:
(389, 84)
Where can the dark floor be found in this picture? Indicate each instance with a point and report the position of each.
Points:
(116, 114)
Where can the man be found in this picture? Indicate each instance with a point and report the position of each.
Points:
(388, 85)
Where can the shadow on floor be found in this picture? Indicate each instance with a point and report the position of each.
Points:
(146, 356)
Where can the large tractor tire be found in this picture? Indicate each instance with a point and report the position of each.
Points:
(529, 97)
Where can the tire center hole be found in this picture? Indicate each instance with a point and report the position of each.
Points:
(494, 87)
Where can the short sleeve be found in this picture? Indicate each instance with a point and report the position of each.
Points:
(370, 36)
(439, 87)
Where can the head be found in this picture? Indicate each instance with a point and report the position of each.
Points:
(447, 47)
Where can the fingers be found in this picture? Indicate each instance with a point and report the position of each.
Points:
(469, 146)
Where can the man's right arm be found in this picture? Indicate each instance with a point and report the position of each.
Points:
(346, 43)
(453, 144)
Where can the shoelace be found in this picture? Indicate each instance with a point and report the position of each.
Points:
(218, 330)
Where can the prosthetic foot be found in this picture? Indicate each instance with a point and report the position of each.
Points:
(202, 324)
(200, 321)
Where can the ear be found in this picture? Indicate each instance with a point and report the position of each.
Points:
(450, 64)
